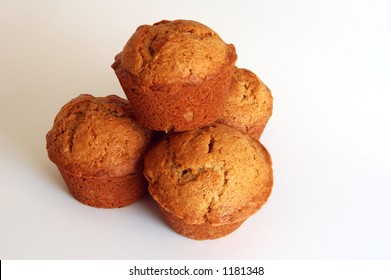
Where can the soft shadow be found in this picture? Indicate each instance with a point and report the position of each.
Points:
(150, 208)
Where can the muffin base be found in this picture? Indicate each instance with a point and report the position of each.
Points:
(176, 107)
(102, 192)
(199, 231)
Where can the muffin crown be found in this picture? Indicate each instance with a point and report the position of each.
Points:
(176, 51)
(215, 174)
(97, 136)
(250, 103)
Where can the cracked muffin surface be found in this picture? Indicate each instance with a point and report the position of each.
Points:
(215, 175)
(249, 105)
(175, 74)
(97, 136)
(99, 150)
(175, 51)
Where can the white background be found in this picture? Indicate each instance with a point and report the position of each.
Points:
(328, 64)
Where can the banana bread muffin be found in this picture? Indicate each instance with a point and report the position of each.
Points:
(98, 148)
(249, 105)
(176, 74)
(207, 182)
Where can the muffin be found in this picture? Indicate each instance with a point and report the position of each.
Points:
(176, 74)
(98, 148)
(207, 182)
(249, 105)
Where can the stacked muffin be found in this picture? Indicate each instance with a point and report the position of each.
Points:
(209, 172)
(98, 148)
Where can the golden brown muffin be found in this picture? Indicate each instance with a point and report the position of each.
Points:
(98, 148)
(176, 74)
(249, 105)
(207, 182)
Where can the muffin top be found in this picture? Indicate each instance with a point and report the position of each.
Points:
(181, 51)
(249, 104)
(97, 136)
(215, 174)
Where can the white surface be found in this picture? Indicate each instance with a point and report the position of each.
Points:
(328, 64)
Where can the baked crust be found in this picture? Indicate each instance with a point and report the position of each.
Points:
(106, 192)
(179, 51)
(97, 136)
(176, 74)
(212, 176)
(99, 150)
(249, 105)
